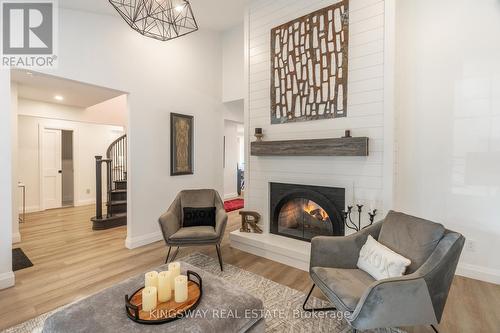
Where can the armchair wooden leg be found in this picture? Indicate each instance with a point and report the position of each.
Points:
(175, 253)
(168, 254)
(220, 257)
(434, 329)
(318, 309)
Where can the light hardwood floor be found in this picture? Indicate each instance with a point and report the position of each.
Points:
(72, 261)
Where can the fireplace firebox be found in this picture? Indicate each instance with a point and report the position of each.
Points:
(305, 211)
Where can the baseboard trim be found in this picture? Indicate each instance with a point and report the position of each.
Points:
(30, 209)
(479, 273)
(231, 196)
(16, 238)
(85, 202)
(7, 280)
(135, 242)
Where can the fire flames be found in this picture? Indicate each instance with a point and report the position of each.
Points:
(315, 210)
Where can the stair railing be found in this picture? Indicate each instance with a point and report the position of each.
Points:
(116, 170)
(117, 153)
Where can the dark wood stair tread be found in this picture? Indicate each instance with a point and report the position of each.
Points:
(113, 217)
(115, 220)
(117, 202)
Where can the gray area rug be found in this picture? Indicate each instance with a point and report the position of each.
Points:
(283, 304)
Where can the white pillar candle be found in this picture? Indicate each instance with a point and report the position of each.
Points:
(164, 286)
(181, 289)
(149, 298)
(175, 270)
(151, 279)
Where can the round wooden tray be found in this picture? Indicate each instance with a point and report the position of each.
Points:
(164, 312)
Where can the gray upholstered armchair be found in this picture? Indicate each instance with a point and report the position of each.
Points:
(171, 222)
(417, 298)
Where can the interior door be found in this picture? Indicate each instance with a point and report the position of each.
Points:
(51, 169)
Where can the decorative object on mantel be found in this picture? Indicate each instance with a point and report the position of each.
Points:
(347, 134)
(349, 222)
(258, 133)
(309, 66)
(249, 218)
(312, 147)
(181, 144)
(187, 291)
(159, 19)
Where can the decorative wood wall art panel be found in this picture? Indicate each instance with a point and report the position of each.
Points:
(309, 63)
(181, 144)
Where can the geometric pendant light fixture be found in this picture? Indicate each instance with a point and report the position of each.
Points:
(159, 19)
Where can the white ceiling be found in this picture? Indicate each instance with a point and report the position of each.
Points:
(42, 87)
(216, 15)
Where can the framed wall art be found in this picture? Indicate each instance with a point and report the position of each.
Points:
(181, 144)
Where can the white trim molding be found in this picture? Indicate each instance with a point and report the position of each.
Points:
(89, 201)
(246, 99)
(389, 103)
(135, 242)
(16, 238)
(7, 280)
(30, 209)
(230, 196)
(482, 273)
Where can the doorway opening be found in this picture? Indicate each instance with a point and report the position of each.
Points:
(62, 125)
(68, 181)
(234, 162)
(58, 183)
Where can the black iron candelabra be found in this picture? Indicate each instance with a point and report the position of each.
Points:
(351, 224)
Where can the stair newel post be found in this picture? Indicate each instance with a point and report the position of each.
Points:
(109, 188)
(98, 187)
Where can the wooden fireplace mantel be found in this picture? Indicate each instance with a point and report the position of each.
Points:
(313, 147)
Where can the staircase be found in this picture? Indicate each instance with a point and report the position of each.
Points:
(116, 187)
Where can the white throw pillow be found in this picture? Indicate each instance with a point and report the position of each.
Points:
(381, 262)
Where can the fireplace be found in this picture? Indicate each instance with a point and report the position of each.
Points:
(305, 211)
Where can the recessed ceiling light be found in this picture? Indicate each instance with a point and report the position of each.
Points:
(179, 8)
(58, 98)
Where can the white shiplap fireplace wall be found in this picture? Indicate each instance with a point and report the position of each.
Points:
(363, 177)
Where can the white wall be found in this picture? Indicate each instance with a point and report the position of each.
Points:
(6, 205)
(182, 75)
(449, 122)
(233, 58)
(234, 111)
(232, 158)
(110, 112)
(89, 140)
(16, 193)
(361, 176)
